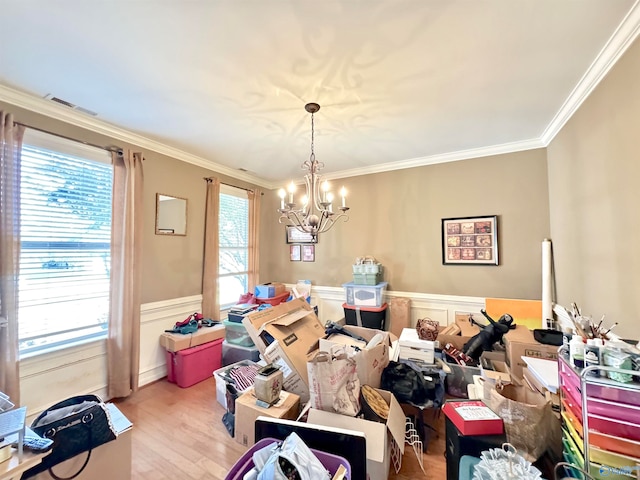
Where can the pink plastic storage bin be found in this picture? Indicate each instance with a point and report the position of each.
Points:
(192, 365)
(245, 463)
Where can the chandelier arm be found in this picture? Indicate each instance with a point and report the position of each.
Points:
(331, 221)
(296, 221)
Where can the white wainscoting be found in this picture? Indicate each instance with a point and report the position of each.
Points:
(82, 369)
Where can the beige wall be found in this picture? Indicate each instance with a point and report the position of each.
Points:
(594, 190)
(171, 265)
(396, 217)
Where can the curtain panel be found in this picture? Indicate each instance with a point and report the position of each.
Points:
(10, 148)
(123, 341)
(254, 243)
(210, 303)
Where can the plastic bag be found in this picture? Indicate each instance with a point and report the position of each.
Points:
(292, 457)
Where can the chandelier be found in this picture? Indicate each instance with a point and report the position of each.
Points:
(315, 214)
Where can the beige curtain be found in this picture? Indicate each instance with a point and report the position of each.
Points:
(10, 147)
(210, 304)
(254, 244)
(123, 344)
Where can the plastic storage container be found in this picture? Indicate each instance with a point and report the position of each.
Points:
(245, 462)
(236, 334)
(223, 377)
(234, 353)
(370, 317)
(365, 295)
(192, 365)
(367, 278)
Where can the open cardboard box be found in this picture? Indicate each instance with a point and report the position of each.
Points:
(289, 333)
(370, 362)
(467, 331)
(382, 438)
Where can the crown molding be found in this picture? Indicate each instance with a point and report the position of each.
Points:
(440, 158)
(78, 119)
(619, 42)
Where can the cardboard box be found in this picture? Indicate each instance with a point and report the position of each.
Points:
(382, 438)
(467, 331)
(293, 381)
(269, 290)
(460, 376)
(370, 362)
(520, 343)
(285, 334)
(247, 411)
(473, 417)
(174, 342)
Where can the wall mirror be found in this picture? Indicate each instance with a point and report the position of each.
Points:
(171, 215)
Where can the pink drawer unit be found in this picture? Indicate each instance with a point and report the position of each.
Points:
(571, 381)
(604, 408)
(611, 426)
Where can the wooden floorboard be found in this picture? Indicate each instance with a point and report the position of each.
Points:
(178, 434)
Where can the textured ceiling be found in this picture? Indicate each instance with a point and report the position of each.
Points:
(400, 83)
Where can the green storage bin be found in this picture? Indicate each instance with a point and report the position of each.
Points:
(237, 334)
(367, 278)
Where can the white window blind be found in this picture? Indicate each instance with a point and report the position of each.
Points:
(65, 242)
(234, 244)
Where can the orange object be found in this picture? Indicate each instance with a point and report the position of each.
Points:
(524, 312)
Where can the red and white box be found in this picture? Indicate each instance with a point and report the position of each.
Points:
(473, 418)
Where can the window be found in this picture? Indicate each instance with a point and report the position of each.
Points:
(233, 271)
(65, 242)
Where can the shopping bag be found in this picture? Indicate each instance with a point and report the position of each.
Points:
(333, 382)
(529, 422)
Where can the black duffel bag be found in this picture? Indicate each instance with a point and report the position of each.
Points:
(76, 425)
(406, 383)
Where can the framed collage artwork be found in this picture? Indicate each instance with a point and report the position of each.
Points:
(470, 240)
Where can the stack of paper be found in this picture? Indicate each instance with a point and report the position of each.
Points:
(544, 371)
(413, 348)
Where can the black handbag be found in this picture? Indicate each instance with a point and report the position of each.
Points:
(76, 425)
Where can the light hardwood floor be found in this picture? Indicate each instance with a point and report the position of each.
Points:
(178, 434)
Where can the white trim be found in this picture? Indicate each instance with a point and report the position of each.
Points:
(621, 39)
(73, 117)
(440, 158)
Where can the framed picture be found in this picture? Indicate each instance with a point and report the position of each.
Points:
(308, 253)
(294, 253)
(470, 240)
(296, 236)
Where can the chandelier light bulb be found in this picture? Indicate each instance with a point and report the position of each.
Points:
(325, 189)
(343, 194)
(292, 189)
(281, 194)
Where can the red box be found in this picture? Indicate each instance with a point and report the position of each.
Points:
(192, 365)
(473, 418)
